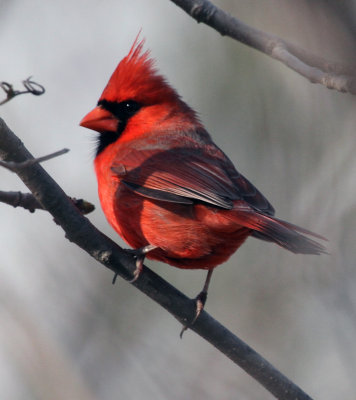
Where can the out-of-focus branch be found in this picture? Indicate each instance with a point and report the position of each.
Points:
(79, 230)
(30, 86)
(29, 202)
(316, 69)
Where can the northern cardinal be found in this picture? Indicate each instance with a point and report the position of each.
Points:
(165, 187)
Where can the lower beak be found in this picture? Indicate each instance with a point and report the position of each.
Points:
(100, 120)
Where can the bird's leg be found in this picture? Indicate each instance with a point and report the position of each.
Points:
(202, 296)
(140, 255)
(199, 301)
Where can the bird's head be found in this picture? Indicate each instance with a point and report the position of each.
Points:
(135, 91)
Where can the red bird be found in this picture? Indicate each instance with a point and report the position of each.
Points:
(165, 187)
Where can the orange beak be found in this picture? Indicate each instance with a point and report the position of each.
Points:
(100, 120)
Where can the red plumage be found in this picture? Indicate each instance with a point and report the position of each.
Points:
(163, 182)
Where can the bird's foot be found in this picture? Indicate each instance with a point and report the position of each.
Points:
(140, 255)
(200, 301)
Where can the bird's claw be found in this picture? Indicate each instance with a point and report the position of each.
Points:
(140, 255)
(200, 301)
(139, 268)
(114, 278)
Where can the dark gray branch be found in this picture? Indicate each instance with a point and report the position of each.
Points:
(29, 202)
(316, 69)
(30, 86)
(79, 230)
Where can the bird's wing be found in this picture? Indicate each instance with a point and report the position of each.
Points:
(186, 175)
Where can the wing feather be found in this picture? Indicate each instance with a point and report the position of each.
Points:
(187, 173)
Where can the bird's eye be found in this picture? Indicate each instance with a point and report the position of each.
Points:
(129, 107)
(123, 110)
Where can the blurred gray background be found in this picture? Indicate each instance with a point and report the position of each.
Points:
(65, 331)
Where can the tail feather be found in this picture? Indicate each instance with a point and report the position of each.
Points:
(286, 235)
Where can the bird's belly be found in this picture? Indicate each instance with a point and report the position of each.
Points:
(187, 236)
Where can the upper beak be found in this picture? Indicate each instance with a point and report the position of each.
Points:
(100, 120)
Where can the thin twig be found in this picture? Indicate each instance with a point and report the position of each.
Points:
(15, 166)
(31, 87)
(79, 230)
(333, 75)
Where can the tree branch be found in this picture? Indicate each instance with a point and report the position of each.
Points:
(29, 202)
(316, 69)
(15, 166)
(79, 230)
(30, 86)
